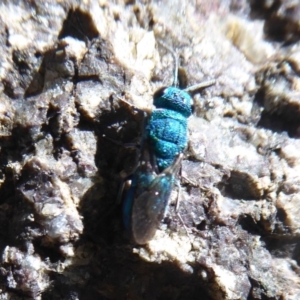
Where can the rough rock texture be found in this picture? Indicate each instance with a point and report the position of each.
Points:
(64, 70)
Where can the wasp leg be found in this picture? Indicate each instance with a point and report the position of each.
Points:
(177, 208)
(142, 112)
(126, 145)
(124, 183)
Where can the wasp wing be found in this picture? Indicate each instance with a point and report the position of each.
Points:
(149, 207)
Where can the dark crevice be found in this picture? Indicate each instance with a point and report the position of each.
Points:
(144, 17)
(285, 119)
(182, 78)
(283, 248)
(94, 78)
(281, 20)
(260, 10)
(36, 85)
(20, 60)
(137, 280)
(248, 223)
(7, 44)
(22, 141)
(239, 186)
(201, 226)
(281, 215)
(79, 24)
(123, 131)
(296, 254)
(46, 252)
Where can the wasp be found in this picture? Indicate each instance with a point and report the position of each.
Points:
(164, 140)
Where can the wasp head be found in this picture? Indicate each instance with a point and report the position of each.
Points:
(174, 99)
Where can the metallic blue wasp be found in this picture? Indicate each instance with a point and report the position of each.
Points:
(163, 142)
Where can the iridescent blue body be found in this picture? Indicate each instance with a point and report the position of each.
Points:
(167, 128)
(165, 138)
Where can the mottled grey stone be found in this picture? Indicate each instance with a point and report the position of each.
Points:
(74, 78)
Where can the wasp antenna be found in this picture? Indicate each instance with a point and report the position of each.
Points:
(175, 58)
(200, 86)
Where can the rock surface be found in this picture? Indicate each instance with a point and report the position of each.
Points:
(64, 70)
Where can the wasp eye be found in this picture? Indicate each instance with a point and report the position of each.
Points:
(160, 92)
